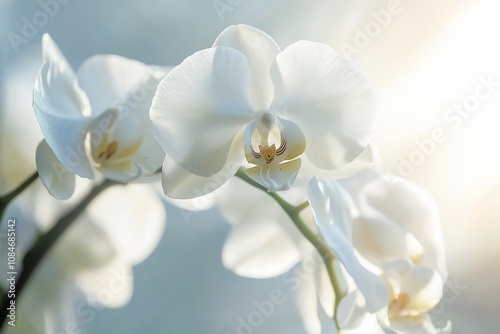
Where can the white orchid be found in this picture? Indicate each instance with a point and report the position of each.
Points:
(90, 266)
(398, 231)
(94, 120)
(264, 242)
(397, 234)
(304, 108)
(415, 290)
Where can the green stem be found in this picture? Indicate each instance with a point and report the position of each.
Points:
(302, 206)
(294, 213)
(5, 200)
(44, 244)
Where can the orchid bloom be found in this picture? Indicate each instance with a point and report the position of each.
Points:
(396, 232)
(265, 243)
(90, 267)
(94, 120)
(302, 109)
(397, 219)
(415, 290)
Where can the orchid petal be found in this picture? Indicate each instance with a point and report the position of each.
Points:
(421, 324)
(59, 182)
(330, 207)
(275, 178)
(380, 241)
(351, 312)
(269, 253)
(263, 241)
(179, 183)
(60, 106)
(131, 214)
(109, 79)
(260, 50)
(323, 93)
(56, 84)
(200, 107)
(360, 164)
(414, 210)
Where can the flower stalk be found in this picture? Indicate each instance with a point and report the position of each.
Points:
(44, 243)
(5, 200)
(326, 254)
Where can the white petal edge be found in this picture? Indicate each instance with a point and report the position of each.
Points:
(200, 107)
(323, 93)
(260, 50)
(331, 212)
(59, 181)
(179, 183)
(131, 214)
(108, 80)
(268, 254)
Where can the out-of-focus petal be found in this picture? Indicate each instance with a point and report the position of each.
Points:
(59, 181)
(381, 241)
(351, 312)
(410, 207)
(421, 324)
(259, 247)
(359, 165)
(131, 214)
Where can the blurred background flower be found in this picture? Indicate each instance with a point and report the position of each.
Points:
(426, 60)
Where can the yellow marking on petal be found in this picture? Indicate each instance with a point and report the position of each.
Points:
(399, 304)
(268, 152)
(110, 150)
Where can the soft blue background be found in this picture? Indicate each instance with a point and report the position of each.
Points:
(182, 287)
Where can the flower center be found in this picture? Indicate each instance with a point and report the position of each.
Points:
(266, 132)
(268, 152)
(108, 152)
(399, 304)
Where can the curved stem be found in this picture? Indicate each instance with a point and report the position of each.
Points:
(44, 244)
(294, 213)
(302, 206)
(5, 200)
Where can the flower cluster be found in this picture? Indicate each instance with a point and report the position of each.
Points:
(282, 138)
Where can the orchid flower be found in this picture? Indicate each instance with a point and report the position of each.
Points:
(415, 290)
(265, 243)
(90, 267)
(302, 109)
(396, 231)
(93, 121)
(397, 219)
